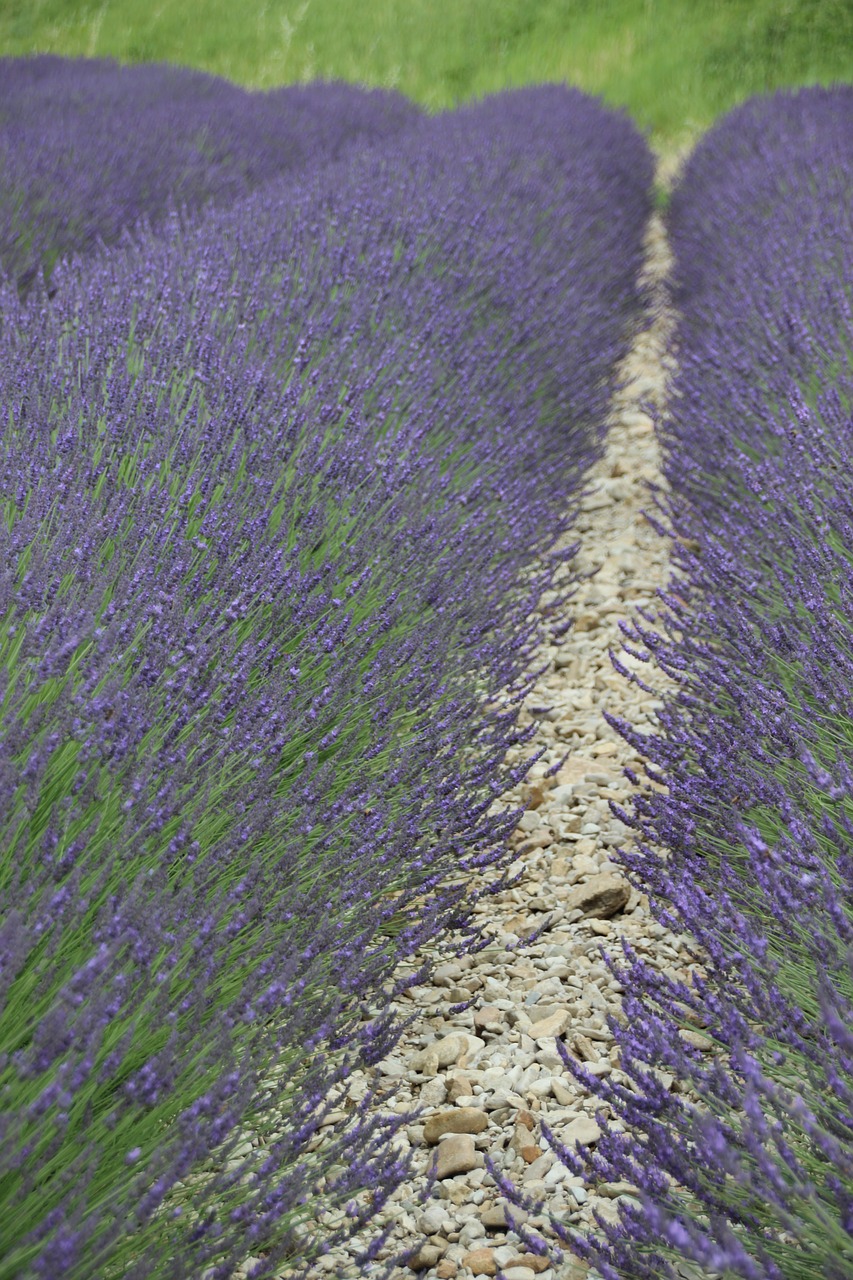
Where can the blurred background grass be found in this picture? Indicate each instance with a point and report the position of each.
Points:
(674, 64)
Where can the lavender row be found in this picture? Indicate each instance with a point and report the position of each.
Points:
(88, 146)
(746, 1165)
(273, 485)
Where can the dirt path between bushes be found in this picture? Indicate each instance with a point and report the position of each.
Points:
(486, 1077)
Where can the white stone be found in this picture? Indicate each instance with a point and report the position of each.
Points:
(432, 1220)
(584, 1130)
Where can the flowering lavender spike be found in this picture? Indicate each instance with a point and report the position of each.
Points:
(745, 1166)
(278, 482)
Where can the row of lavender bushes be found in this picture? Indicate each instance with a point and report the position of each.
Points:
(746, 1165)
(77, 165)
(272, 481)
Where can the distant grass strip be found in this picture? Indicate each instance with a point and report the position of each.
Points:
(675, 64)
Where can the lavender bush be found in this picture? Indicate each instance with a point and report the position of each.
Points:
(273, 481)
(88, 146)
(746, 1165)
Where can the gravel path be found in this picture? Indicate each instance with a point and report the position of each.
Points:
(487, 1076)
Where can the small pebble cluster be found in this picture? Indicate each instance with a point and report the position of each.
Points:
(484, 1078)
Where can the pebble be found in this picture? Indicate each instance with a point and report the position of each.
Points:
(614, 1189)
(488, 1017)
(539, 1167)
(481, 1262)
(584, 1130)
(427, 1256)
(601, 896)
(547, 1028)
(494, 1219)
(459, 1120)
(564, 1095)
(442, 1053)
(456, 1155)
(432, 1220)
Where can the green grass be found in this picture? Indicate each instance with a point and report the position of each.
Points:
(675, 64)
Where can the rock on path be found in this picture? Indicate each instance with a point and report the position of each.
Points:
(486, 1077)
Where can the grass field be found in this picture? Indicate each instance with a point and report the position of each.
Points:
(675, 64)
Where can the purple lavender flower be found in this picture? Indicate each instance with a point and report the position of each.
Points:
(746, 1165)
(273, 478)
(89, 147)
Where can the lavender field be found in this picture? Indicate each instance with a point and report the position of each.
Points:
(746, 1164)
(273, 478)
(298, 401)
